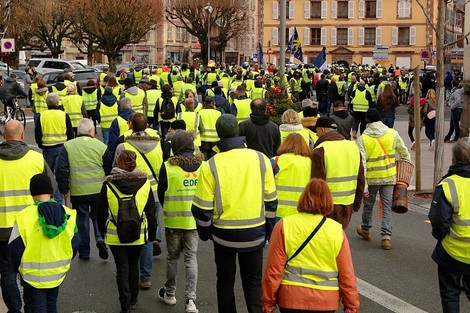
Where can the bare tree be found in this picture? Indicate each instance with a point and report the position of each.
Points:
(230, 17)
(114, 24)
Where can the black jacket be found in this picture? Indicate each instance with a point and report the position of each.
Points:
(321, 87)
(11, 89)
(261, 134)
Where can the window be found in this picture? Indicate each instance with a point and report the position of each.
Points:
(370, 8)
(343, 7)
(169, 33)
(342, 36)
(404, 9)
(178, 34)
(369, 36)
(403, 36)
(315, 36)
(315, 9)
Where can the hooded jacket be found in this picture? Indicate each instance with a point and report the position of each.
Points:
(127, 183)
(344, 121)
(11, 89)
(261, 134)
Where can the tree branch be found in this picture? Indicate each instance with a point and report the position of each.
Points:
(457, 40)
(427, 17)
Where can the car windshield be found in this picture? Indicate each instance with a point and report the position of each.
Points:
(78, 65)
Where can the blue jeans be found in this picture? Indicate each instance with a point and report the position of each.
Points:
(322, 103)
(454, 124)
(85, 212)
(146, 256)
(39, 300)
(386, 195)
(10, 291)
(105, 133)
(51, 155)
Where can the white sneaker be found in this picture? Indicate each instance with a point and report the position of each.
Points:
(171, 300)
(191, 306)
(433, 144)
(413, 145)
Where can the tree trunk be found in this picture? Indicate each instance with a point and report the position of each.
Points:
(439, 146)
(112, 60)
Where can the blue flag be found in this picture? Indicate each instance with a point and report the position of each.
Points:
(296, 46)
(290, 44)
(320, 61)
(260, 54)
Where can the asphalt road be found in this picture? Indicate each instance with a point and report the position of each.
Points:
(403, 279)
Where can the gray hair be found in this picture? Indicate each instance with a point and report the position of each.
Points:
(461, 153)
(52, 100)
(126, 103)
(84, 126)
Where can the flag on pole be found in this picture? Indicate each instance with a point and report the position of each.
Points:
(320, 61)
(260, 54)
(290, 44)
(297, 46)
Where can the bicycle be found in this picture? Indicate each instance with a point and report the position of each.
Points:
(15, 113)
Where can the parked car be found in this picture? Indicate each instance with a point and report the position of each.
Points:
(44, 65)
(81, 76)
(99, 67)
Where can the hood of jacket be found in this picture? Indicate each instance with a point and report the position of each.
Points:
(461, 170)
(41, 91)
(127, 182)
(167, 94)
(330, 136)
(342, 114)
(13, 150)
(142, 141)
(187, 161)
(310, 121)
(52, 218)
(108, 100)
(376, 129)
(231, 143)
(290, 127)
(60, 86)
(259, 118)
(89, 89)
(126, 113)
(133, 90)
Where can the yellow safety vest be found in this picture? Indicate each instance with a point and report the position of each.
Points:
(138, 76)
(189, 87)
(136, 100)
(378, 164)
(123, 125)
(90, 100)
(192, 124)
(141, 197)
(179, 197)
(297, 84)
(304, 132)
(457, 242)
(73, 107)
(293, 176)
(211, 77)
(315, 266)
(208, 119)
(40, 104)
(45, 261)
(342, 160)
(225, 82)
(152, 96)
(62, 93)
(54, 127)
(108, 114)
(360, 103)
(15, 195)
(243, 109)
(372, 92)
(160, 103)
(257, 93)
(164, 77)
(249, 84)
(178, 87)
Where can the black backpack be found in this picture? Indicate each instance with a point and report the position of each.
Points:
(129, 220)
(167, 110)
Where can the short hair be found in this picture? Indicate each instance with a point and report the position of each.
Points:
(71, 89)
(316, 198)
(90, 83)
(461, 153)
(189, 104)
(166, 88)
(188, 92)
(52, 100)
(139, 122)
(217, 90)
(112, 82)
(241, 89)
(84, 126)
(294, 143)
(290, 117)
(258, 105)
(125, 103)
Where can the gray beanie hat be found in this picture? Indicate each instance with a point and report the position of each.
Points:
(227, 126)
(182, 141)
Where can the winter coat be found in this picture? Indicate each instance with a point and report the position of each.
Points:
(456, 98)
(344, 121)
(11, 89)
(261, 134)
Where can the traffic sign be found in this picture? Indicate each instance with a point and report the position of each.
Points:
(133, 58)
(425, 55)
(270, 51)
(380, 53)
(8, 45)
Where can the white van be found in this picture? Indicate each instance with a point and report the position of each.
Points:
(44, 65)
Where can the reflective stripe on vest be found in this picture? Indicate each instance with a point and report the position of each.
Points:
(40, 104)
(62, 93)
(257, 93)
(342, 160)
(108, 114)
(378, 165)
(53, 126)
(45, 261)
(372, 93)
(85, 155)
(360, 103)
(208, 119)
(136, 100)
(315, 266)
(123, 125)
(293, 176)
(304, 132)
(457, 242)
(192, 124)
(141, 197)
(152, 96)
(90, 100)
(73, 107)
(15, 194)
(243, 109)
(179, 197)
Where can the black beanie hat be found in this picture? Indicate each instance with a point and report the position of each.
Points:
(182, 141)
(178, 124)
(227, 126)
(40, 184)
(372, 115)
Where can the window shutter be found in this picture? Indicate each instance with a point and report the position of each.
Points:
(333, 36)
(379, 9)
(360, 36)
(407, 9)
(350, 36)
(306, 36)
(351, 9)
(307, 10)
(324, 8)
(378, 36)
(361, 8)
(323, 37)
(401, 6)
(291, 9)
(394, 36)
(334, 7)
(275, 10)
(412, 36)
(275, 36)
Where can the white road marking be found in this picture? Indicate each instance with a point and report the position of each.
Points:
(385, 299)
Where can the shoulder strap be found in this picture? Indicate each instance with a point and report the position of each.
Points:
(148, 164)
(384, 150)
(112, 189)
(302, 246)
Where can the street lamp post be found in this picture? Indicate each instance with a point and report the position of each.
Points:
(208, 8)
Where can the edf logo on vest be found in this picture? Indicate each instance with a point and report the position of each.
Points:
(190, 182)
